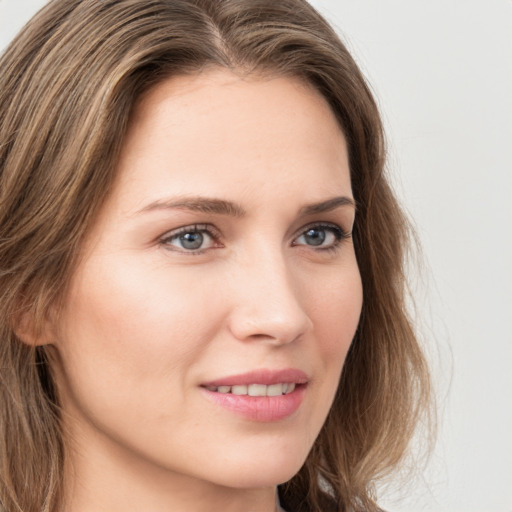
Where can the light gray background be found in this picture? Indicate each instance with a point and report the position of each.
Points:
(442, 71)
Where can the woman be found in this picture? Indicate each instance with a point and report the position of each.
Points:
(201, 264)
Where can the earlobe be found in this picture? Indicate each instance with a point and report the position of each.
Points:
(31, 331)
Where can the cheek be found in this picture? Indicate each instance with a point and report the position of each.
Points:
(130, 328)
(134, 309)
(131, 335)
(336, 311)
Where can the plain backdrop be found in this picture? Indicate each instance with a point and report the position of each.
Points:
(442, 73)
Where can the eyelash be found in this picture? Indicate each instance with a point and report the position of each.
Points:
(213, 233)
(338, 233)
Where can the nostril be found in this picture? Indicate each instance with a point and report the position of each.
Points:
(276, 334)
(268, 311)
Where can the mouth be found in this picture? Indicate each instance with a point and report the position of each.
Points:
(278, 389)
(285, 377)
(262, 395)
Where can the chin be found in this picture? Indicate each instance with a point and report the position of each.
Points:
(265, 477)
(268, 469)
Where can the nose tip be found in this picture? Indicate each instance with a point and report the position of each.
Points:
(276, 329)
(268, 309)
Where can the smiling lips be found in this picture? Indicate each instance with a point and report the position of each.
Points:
(262, 395)
(256, 389)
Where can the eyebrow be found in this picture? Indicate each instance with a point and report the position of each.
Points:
(328, 205)
(223, 207)
(198, 204)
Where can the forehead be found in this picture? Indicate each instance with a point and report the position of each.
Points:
(216, 130)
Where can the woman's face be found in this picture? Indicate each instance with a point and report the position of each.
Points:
(221, 267)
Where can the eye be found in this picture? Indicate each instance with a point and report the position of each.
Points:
(321, 236)
(192, 239)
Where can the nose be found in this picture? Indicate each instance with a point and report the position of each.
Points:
(266, 304)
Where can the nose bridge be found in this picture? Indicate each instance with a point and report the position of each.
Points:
(267, 304)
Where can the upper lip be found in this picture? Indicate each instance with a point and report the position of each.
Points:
(262, 376)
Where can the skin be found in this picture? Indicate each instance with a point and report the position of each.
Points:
(147, 321)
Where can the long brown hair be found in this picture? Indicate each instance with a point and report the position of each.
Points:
(68, 84)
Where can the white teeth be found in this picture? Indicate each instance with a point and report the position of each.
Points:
(256, 389)
(239, 390)
(275, 389)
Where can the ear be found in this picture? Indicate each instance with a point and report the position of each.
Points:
(31, 330)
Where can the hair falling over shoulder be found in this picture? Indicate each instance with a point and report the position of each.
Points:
(68, 83)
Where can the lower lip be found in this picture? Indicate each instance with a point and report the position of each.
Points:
(260, 408)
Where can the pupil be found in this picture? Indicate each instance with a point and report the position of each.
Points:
(191, 240)
(315, 236)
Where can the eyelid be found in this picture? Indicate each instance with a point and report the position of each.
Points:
(216, 236)
(340, 234)
(324, 224)
(211, 230)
